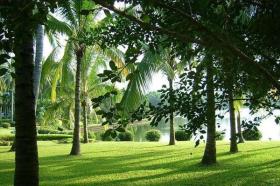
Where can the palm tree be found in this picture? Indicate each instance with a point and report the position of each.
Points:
(209, 156)
(38, 60)
(153, 62)
(74, 25)
(237, 105)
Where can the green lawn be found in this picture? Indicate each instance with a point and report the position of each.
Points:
(148, 164)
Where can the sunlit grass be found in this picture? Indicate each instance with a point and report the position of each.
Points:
(132, 163)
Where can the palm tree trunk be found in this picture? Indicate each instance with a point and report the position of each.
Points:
(233, 138)
(85, 122)
(171, 116)
(76, 135)
(26, 156)
(38, 60)
(240, 135)
(209, 156)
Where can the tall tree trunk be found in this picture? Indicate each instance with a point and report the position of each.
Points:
(240, 135)
(38, 60)
(84, 104)
(76, 135)
(26, 156)
(209, 156)
(171, 115)
(12, 100)
(233, 136)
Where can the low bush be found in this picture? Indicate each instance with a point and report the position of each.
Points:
(65, 141)
(6, 125)
(49, 137)
(50, 131)
(5, 143)
(7, 138)
(105, 138)
(220, 135)
(252, 134)
(91, 135)
(152, 135)
(125, 136)
(181, 135)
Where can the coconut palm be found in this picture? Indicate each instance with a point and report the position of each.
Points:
(74, 25)
(152, 62)
(237, 107)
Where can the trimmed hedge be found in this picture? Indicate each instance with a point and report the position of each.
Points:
(251, 135)
(125, 136)
(6, 125)
(5, 143)
(40, 137)
(152, 135)
(181, 135)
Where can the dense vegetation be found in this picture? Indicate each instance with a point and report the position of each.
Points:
(217, 56)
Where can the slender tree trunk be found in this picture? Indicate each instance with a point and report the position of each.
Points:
(76, 135)
(38, 60)
(26, 156)
(12, 100)
(84, 104)
(171, 116)
(209, 156)
(240, 135)
(233, 136)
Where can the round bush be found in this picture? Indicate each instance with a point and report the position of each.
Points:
(181, 135)
(251, 135)
(106, 138)
(152, 135)
(125, 136)
(220, 135)
(6, 125)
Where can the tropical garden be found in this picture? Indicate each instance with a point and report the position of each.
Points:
(139, 92)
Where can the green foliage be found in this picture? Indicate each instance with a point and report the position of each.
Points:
(4, 143)
(7, 138)
(125, 136)
(6, 125)
(220, 135)
(106, 137)
(40, 137)
(253, 134)
(91, 135)
(152, 135)
(50, 131)
(181, 135)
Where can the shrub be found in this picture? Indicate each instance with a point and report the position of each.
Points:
(65, 141)
(152, 135)
(252, 134)
(13, 124)
(220, 135)
(91, 135)
(6, 125)
(50, 131)
(125, 136)
(5, 143)
(105, 138)
(181, 135)
(49, 137)
(7, 138)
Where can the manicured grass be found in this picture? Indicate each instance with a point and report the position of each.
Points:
(149, 164)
